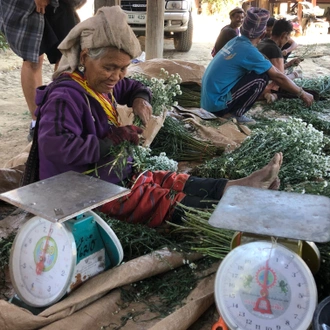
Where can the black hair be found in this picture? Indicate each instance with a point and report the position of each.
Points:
(271, 21)
(281, 26)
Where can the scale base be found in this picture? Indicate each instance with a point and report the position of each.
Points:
(15, 300)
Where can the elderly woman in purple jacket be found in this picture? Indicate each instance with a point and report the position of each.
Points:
(77, 124)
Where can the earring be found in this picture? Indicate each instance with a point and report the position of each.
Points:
(81, 68)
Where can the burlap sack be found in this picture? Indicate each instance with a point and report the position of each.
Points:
(89, 307)
(228, 135)
(189, 72)
(113, 312)
(10, 178)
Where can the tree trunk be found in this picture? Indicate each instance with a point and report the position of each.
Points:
(101, 3)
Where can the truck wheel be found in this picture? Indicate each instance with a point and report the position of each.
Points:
(183, 40)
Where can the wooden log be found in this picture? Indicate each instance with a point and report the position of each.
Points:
(155, 29)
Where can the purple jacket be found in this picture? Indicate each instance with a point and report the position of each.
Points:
(70, 129)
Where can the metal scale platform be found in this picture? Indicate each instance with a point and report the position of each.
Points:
(266, 281)
(65, 243)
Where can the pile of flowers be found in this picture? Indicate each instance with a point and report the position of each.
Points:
(301, 144)
(164, 89)
(144, 161)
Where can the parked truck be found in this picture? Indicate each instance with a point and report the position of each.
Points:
(178, 21)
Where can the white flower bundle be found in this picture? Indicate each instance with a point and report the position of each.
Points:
(301, 144)
(164, 89)
(144, 161)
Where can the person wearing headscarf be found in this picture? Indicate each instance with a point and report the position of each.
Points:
(229, 31)
(77, 126)
(239, 73)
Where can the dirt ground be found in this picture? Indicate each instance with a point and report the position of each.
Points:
(14, 115)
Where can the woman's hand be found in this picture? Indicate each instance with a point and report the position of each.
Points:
(124, 133)
(117, 135)
(142, 109)
(41, 5)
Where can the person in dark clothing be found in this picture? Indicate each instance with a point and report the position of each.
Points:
(230, 31)
(271, 48)
(269, 27)
(32, 29)
(288, 47)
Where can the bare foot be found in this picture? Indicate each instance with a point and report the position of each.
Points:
(275, 184)
(266, 178)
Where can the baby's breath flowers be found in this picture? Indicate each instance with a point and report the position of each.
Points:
(301, 144)
(144, 161)
(164, 89)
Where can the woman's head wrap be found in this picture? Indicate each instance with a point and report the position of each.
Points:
(254, 23)
(108, 27)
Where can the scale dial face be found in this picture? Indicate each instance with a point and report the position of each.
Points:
(42, 261)
(265, 286)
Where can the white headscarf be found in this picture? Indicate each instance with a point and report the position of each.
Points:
(108, 27)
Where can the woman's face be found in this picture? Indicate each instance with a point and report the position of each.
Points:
(103, 74)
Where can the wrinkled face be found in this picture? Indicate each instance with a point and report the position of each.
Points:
(103, 74)
(237, 19)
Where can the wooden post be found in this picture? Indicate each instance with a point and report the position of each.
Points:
(155, 29)
(299, 13)
(101, 3)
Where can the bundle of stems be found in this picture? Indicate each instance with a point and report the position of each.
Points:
(179, 144)
(136, 239)
(311, 187)
(5, 246)
(319, 84)
(312, 115)
(306, 51)
(191, 95)
(301, 144)
(318, 113)
(200, 235)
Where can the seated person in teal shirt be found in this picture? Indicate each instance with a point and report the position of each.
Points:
(239, 73)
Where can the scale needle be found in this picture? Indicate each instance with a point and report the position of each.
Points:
(42, 258)
(264, 295)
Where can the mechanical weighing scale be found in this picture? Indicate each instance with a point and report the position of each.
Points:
(266, 282)
(65, 243)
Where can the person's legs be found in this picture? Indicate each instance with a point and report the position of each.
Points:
(205, 188)
(244, 94)
(204, 193)
(31, 78)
